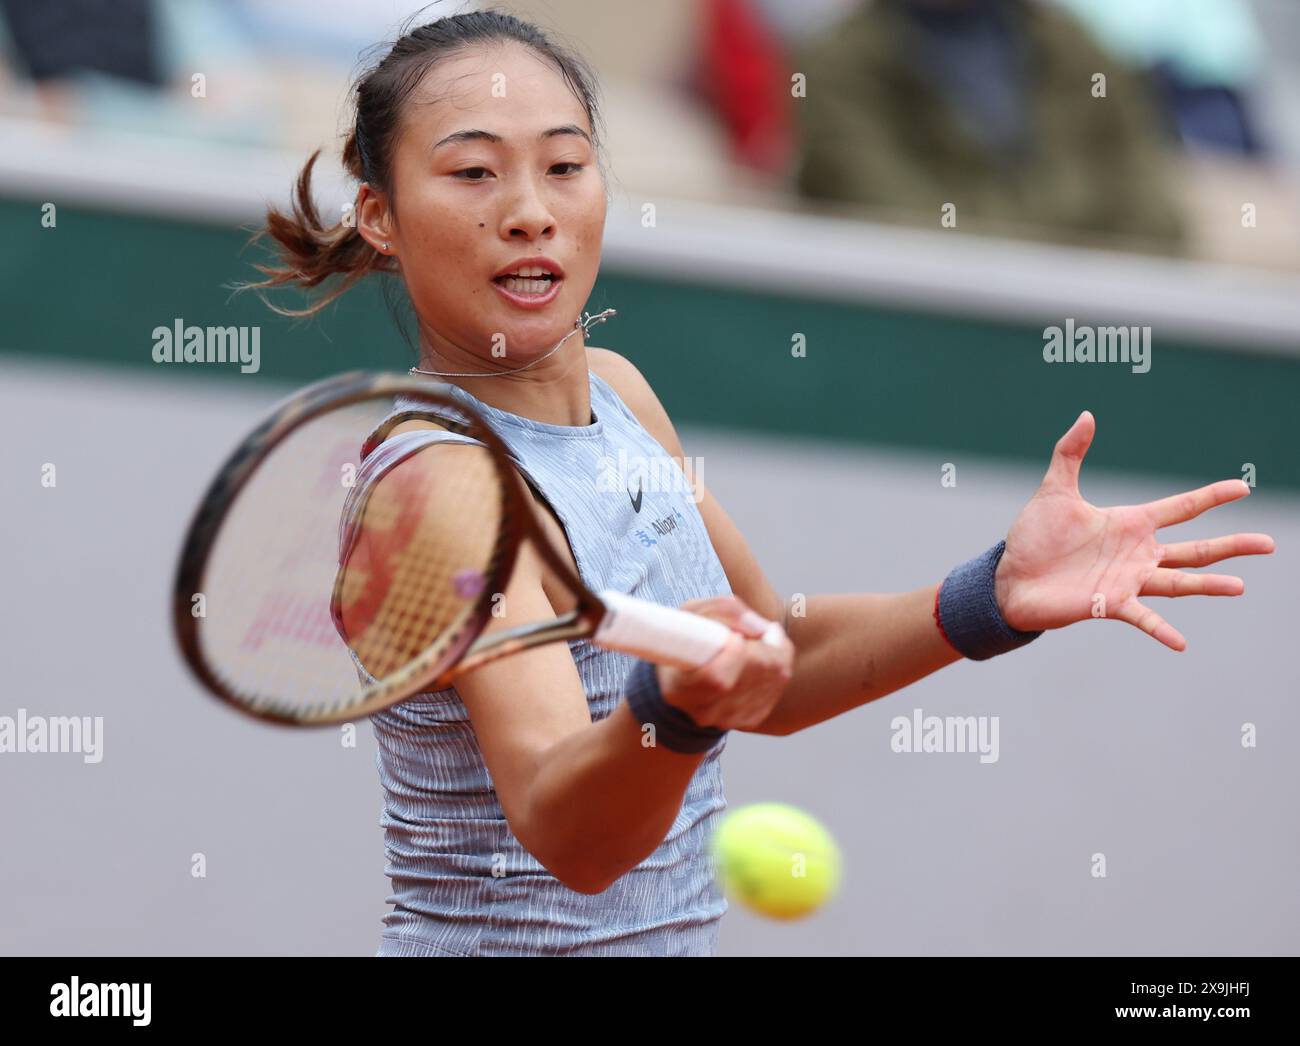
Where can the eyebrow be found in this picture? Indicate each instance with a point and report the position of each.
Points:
(477, 135)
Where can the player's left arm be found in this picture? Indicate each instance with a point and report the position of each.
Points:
(1064, 561)
(849, 649)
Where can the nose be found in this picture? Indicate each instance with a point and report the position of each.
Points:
(527, 217)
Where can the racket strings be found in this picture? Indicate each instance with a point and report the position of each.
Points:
(454, 515)
(268, 630)
(281, 611)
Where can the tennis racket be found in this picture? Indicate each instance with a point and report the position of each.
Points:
(295, 571)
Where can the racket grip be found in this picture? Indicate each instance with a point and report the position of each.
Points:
(660, 634)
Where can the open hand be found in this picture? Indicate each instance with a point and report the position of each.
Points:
(1067, 560)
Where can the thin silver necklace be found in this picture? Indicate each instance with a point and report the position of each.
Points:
(583, 323)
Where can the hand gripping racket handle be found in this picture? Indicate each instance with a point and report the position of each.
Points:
(662, 634)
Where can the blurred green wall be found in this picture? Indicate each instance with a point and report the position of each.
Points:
(94, 287)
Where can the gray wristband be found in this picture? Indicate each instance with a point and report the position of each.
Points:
(966, 609)
(674, 729)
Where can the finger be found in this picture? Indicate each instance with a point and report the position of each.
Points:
(707, 604)
(1174, 583)
(775, 636)
(1179, 508)
(760, 686)
(722, 670)
(733, 612)
(1213, 550)
(1152, 624)
(1068, 455)
(774, 651)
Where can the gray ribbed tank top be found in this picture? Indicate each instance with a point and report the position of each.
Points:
(445, 832)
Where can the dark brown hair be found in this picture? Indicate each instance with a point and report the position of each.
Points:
(311, 252)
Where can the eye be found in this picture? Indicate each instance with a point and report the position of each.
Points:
(565, 168)
(473, 174)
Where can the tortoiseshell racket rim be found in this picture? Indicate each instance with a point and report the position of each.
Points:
(430, 665)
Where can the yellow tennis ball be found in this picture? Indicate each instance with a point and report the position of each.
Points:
(776, 859)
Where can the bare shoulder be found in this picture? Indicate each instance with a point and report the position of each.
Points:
(620, 374)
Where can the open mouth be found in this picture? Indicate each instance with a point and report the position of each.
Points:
(528, 281)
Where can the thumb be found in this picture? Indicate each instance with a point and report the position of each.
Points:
(1067, 458)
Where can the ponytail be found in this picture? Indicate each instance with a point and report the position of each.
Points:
(311, 252)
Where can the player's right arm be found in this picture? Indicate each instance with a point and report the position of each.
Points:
(588, 800)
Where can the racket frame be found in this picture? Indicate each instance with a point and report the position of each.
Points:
(462, 647)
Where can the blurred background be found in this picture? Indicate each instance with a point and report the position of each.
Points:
(911, 191)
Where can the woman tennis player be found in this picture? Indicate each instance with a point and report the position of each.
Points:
(525, 811)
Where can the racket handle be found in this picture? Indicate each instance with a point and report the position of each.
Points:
(656, 633)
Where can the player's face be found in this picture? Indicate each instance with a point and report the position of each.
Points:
(495, 164)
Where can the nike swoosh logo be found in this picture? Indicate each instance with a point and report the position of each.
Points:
(636, 501)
